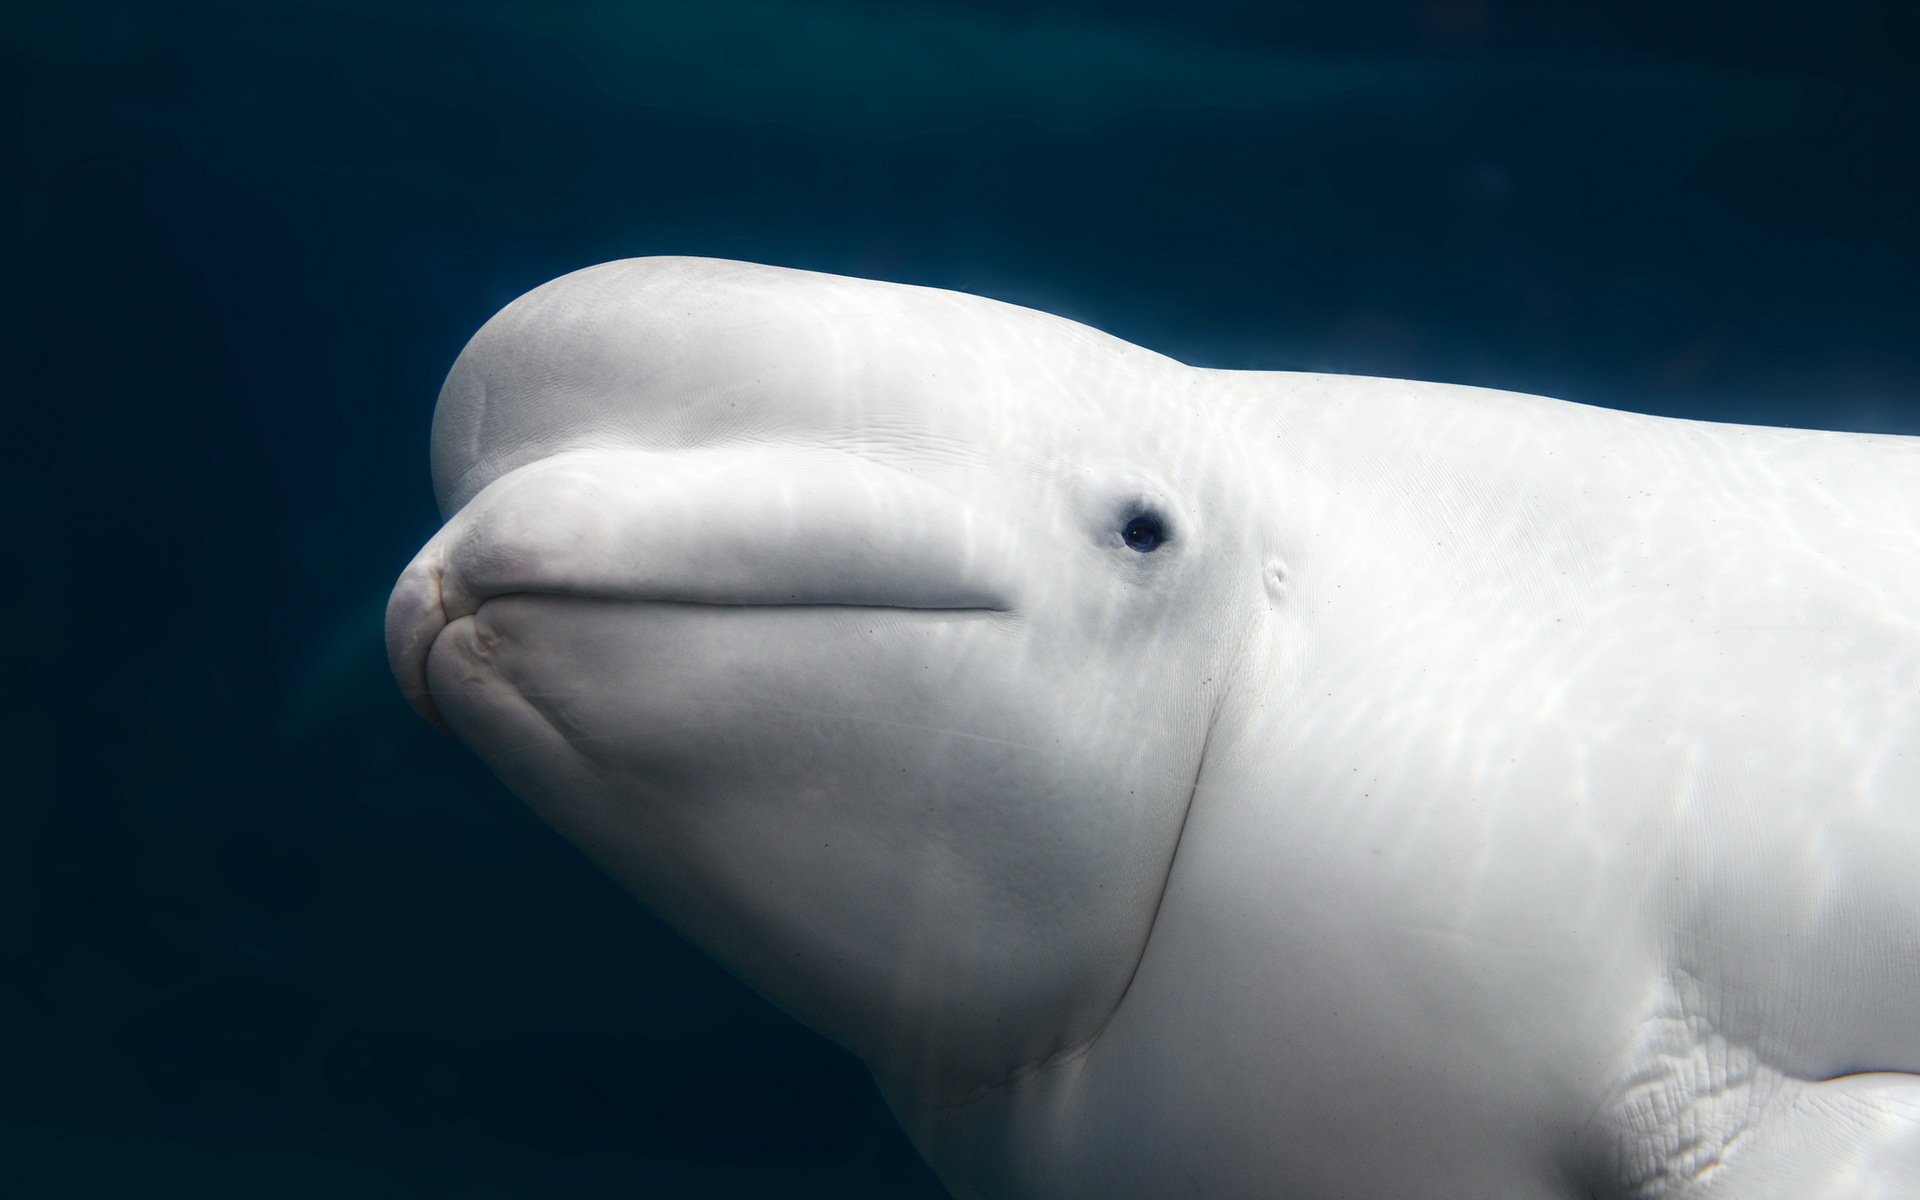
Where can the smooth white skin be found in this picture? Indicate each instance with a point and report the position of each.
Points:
(1475, 794)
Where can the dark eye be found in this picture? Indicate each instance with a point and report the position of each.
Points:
(1145, 532)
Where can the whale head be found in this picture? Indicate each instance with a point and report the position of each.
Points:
(873, 636)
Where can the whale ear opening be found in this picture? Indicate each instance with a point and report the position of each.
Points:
(1273, 573)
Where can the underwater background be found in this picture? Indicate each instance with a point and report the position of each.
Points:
(265, 933)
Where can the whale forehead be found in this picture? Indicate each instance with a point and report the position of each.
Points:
(664, 353)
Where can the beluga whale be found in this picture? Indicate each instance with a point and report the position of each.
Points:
(1187, 782)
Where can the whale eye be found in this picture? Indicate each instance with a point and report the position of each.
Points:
(1144, 532)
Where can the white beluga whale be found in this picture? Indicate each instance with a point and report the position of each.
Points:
(1182, 782)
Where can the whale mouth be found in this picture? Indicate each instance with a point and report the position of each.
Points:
(416, 625)
(680, 531)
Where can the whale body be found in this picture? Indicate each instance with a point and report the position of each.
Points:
(1183, 782)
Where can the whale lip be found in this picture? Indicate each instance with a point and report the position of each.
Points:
(419, 613)
(416, 617)
(721, 532)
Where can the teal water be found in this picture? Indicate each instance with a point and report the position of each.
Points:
(264, 932)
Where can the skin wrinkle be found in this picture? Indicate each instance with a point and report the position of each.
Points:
(1077, 1052)
(1074, 1053)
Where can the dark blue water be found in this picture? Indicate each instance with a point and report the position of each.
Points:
(262, 932)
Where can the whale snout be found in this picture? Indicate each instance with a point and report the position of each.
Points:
(759, 529)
